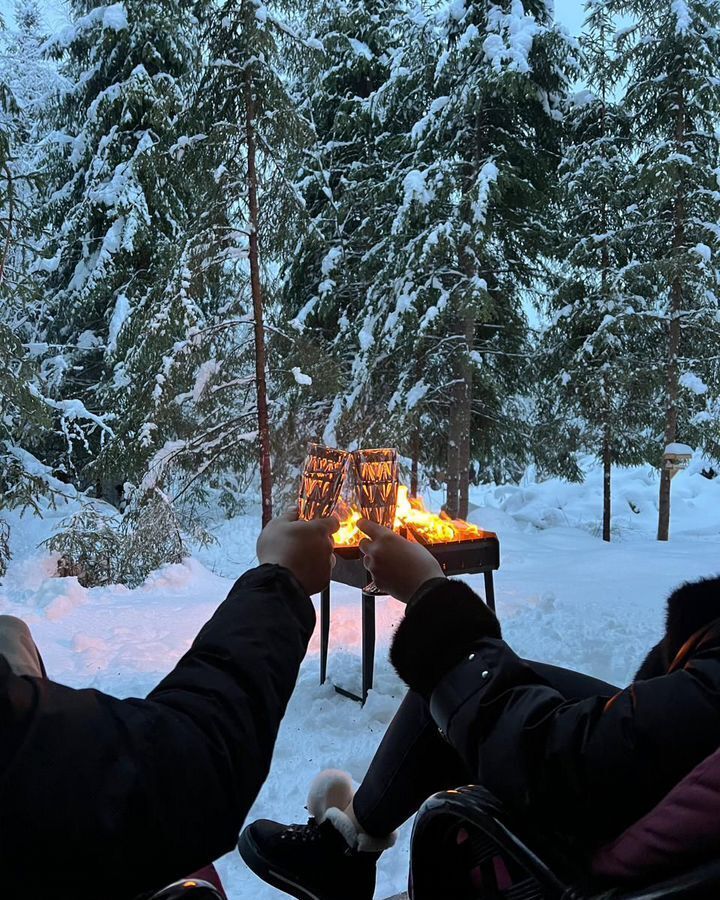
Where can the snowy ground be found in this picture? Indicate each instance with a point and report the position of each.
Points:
(563, 596)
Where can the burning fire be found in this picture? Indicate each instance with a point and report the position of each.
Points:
(421, 525)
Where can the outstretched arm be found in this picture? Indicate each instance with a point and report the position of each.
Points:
(120, 796)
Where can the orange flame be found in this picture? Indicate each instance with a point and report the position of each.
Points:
(422, 525)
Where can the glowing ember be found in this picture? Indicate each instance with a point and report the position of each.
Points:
(421, 525)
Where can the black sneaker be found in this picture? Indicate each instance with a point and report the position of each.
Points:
(310, 862)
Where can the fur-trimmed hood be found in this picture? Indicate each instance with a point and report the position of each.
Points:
(690, 608)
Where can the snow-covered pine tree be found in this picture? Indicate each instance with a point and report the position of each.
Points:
(253, 127)
(27, 414)
(31, 80)
(671, 53)
(345, 179)
(22, 412)
(119, 199)
(471, 227)
(595, 387)
(21, 407)
(8, 191)
(32, 76)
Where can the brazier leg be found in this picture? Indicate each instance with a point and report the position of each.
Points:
(368, 643)
(489, 590)
(324, 632)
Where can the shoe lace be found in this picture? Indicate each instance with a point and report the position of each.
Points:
(303, 834)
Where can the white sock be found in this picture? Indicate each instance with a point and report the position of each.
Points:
(331, 799)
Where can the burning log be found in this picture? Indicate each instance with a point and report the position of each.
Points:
(413, 520)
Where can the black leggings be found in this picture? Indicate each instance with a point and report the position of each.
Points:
(414, 761)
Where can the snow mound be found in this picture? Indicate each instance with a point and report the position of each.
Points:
(558, 504)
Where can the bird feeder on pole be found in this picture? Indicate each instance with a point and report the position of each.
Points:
(676, 458)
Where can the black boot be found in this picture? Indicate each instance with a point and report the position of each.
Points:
(310, 862)
(330, 858)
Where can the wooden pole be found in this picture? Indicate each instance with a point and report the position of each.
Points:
(457, 395)
(605, 271)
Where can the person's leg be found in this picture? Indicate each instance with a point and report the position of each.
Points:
(414, 761)
(335, 854)
(18, 648)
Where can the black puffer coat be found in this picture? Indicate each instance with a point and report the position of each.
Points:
(586, 768)
(104, 799)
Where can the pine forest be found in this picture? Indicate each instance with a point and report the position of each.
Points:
(229, 228)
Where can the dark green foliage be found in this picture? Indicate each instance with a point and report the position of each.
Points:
(22, 407)
(599, 373)
(119, 210)
(337, 177)
(670, 55)
(102, 548)
(245, 99)
(469, 234)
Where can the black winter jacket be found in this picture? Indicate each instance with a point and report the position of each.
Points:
(587, 768)
(104, 799)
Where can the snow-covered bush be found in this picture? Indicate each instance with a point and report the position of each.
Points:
(102, 548)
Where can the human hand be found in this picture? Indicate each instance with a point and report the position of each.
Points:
(399, 567)
(305, 548)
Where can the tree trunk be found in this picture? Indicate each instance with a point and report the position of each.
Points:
(671, 418)
(452, 504)
(10, 222)
(676, 305)
(466, 415)
(607, 404)
(607, 484)
(606, 388)
(256, 288)
(415, 454)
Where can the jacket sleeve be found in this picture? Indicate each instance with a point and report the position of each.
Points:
(145, 791)
(443, 619)
(592, 766)
(234, 684)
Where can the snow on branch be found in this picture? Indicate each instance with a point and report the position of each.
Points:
(682, 16)
(419, 128)
(486, 178)
(415, 189)
(510, 38)
(693, 383)
(113, 17)
(72, 410)
(34, 468)
(300, 377)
